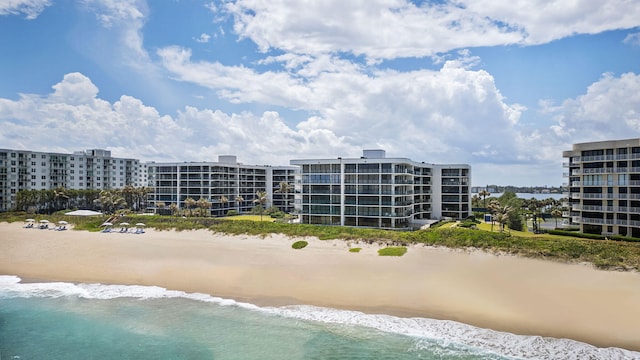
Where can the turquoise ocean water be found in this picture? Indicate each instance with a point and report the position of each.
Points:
(92, 321)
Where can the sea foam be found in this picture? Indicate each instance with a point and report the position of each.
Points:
(443, 333)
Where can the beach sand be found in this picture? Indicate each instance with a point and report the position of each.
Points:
(505, 293)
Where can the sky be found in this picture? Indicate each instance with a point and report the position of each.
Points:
(502, 85)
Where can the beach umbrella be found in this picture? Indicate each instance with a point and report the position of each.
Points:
(44, 221)
(140, 224)
(62, 222)
(107, 224)
(124, 224)
(30, 220)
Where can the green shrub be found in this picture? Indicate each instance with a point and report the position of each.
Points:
(440, 223)
(576, 234)
(232, 213)
(299, 244)
(355, 250)
(624, 238)
(392, 251)
(467, 224)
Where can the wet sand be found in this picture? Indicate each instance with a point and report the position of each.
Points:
(506, 293)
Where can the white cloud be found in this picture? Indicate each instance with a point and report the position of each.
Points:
(30, 8)
(387, 29)
(126, 19)
(203, 38)
(73, 116)
(633, 39)
(610, 109)
(431, 115)
(451, 115)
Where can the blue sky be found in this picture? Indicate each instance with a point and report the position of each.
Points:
(504, 86)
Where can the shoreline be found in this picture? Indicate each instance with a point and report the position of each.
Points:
(499, 292)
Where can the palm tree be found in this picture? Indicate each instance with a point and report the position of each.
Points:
(239, 199)
(128, 193)
(140, 196)
(61, 197)
(285, 188)
(502, 213)
(160, 205)
(556, 212)
(203, 204)
(484, 194)
(261, 199)
(190, 203)
(110, 201)
(494, 206)
(173, 207)
(534, 205)
(223, 202)
(475, 199)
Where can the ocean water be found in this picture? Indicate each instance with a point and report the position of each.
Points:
(92, 321)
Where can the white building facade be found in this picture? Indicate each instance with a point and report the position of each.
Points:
(172, 183)
(604, 187)
(90, 169)
(379, 192)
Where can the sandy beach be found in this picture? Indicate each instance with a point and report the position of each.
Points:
(506, 293)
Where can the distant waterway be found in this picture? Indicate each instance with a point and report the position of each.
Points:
(530, 195)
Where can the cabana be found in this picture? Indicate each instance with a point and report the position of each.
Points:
(29, 223)
(44, 224)
(140, 228)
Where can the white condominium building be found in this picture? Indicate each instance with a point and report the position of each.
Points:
(375, 191)
(90, 169)
(604, 187)
(172, 183)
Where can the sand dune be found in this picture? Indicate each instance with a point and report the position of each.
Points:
(507, 293)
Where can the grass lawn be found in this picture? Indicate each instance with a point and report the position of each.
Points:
(524, 234)
(248, 218)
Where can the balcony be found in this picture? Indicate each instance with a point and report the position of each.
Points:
(593, 221)
(594, 171)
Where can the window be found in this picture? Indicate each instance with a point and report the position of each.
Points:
(43, 184)
(44, 177)
(43, 156)
(33, 177)
(13, 162)
(43, 164)
(33, 163)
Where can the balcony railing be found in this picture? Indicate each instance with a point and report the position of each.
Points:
(592, 221)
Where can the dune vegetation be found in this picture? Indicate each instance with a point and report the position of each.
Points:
(604, 254)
